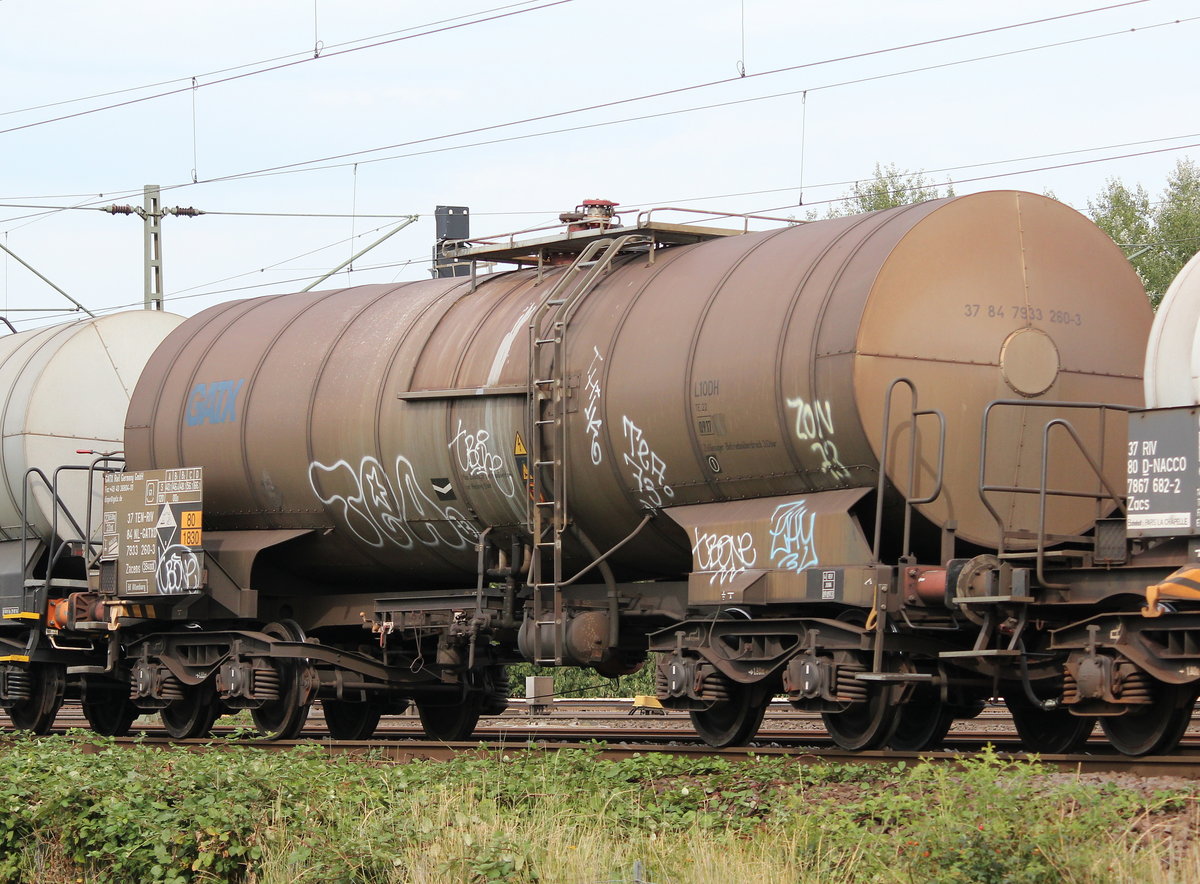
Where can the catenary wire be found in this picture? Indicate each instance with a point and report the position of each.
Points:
(283, 65)
(328, 161)
(644, 203)
(250, 64)
(937, 171)
(307, 166)
(179, 295)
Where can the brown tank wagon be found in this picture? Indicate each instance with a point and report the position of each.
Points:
(744, 367)
(874, 463)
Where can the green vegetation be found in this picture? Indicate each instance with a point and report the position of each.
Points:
(888, 187)
(79, 809)
(571, 682)
(1159, 236)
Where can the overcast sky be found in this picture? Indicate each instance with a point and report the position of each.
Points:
(965, 108)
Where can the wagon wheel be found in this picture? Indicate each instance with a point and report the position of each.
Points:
(923, 721)
(349, 720)
(283, 718)
(46, 684)
(732, 722)
(1051, 732)
(451, 721)
(193, 715)
(868, 724)
(107, 708)
(1157, 727)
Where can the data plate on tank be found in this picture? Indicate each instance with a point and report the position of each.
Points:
(153, 529)
(1163, 472)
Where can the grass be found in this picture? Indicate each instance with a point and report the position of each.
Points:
(81, 809)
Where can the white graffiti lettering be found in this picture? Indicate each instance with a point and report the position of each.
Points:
(475, 458)
(590, 412)
(814, 424)
(178, 570)
(380, 511)
(726, 555)
(649, 470)
(792, 546)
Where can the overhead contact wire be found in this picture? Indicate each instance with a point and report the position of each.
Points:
(287, 64)
(268, 170)
(249, 64)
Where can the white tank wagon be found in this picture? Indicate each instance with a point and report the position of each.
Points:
(64, 390)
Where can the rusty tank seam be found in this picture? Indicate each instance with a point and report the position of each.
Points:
(381, 394)
(660, 265)
(814, 333)
(157, 398)
(319, 375)
(249, 307)
(314, 301)
(451, 296)
(1011, 509)
(714, 484)
(781, 347)
(518, 279)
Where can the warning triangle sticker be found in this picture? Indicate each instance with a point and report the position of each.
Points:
(519, 447)
(167, 519)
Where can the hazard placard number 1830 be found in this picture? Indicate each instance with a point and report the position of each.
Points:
(189, 528)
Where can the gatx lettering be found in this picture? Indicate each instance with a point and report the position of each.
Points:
(214, 403)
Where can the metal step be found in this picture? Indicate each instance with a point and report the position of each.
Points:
(895, 677)
(994, 600)
(986, 652)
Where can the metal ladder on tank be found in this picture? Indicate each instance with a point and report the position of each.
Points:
(547, 510)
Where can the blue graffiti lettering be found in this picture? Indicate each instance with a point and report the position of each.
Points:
(214, 403)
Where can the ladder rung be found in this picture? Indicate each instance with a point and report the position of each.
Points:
(552, 420)
(544, 463)
(540, 341)
(556, 302)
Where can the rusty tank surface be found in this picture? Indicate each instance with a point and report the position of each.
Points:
(392, 423)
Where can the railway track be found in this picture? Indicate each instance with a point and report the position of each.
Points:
(1185, 765)
(786, 733)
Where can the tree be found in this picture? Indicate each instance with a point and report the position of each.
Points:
(1159, 238)
(888, 187)
(1176, 227)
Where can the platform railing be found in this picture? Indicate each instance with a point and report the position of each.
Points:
(1106, 493)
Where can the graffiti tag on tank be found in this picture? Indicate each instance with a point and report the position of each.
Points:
(649, 470)
(476, 459)
(814, 425)
(792, 542)
(381, 508)
(178, 570)
(726, 555)
(591, 386)
(214, 403)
